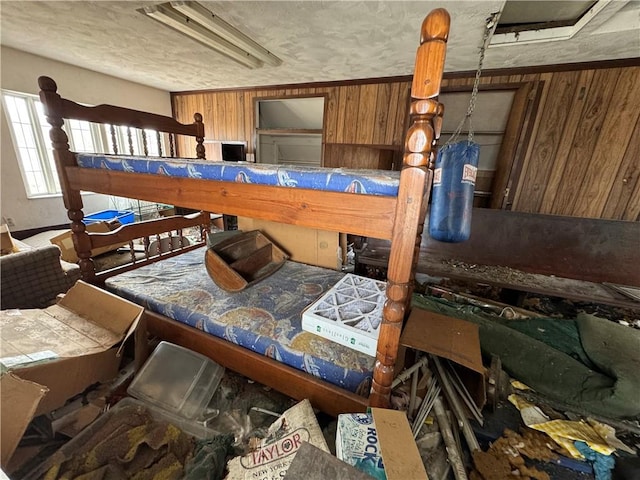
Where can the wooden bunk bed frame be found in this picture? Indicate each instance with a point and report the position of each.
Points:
(398, 219)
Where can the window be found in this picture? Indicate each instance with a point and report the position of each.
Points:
(30, 134)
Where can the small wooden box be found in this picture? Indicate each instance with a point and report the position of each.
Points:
(242, 260)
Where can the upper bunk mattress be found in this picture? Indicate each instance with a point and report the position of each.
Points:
(367, 182)
(265, 318)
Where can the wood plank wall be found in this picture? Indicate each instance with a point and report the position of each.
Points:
(368, 114)
(581, 156)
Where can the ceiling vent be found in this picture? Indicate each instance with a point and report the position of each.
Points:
(523, 22)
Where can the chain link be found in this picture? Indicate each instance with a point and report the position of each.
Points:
(490, 25)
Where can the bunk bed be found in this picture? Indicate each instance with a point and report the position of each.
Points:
(302, 197)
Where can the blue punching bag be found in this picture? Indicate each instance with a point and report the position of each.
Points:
(454, 176)
(454, 180)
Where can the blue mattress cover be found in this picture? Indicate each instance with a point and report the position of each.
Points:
(368, 182)
(265, 317)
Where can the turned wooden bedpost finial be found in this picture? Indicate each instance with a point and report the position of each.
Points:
(425, 113)
(200, 151)
(53, 109)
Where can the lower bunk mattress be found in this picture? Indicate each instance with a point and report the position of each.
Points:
(265, 318)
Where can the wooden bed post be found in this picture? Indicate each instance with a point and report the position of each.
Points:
(200, 153)
(425, 112)
(53, 109)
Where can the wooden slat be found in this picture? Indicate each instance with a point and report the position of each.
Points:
(366, 120)
(506, 155)
(231, 114)
(596, 105)
(341, 114)
(546, 141)
(381, 116)
(632, 211)
(295, 383)
(626, 180)
(330, 115)
(402, 115)
(131, 231)
(367, 215)
(350, 125)
(617, 129)
(566, 140)
(249, 121)
(390, 134)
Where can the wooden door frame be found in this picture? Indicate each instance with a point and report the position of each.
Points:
(256, 101)
(515, 138)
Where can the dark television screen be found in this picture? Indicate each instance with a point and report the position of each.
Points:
(233, 152)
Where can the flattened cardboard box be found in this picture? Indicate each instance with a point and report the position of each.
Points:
(398, 448)
(56, 353)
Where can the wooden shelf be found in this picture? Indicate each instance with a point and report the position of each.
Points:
(396, 148)
(288, 131)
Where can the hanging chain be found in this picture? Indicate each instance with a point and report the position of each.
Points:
(490, 26)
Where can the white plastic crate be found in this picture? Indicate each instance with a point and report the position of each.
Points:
(349, 313)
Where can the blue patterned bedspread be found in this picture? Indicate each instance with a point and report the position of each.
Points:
(368, 182)
(265, 318)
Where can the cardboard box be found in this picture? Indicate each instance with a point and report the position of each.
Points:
(56, 353)
(64, 241)
(304, 245)
(451, 338)
(6, 240)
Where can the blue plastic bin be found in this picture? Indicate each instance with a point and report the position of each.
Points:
(124, 216)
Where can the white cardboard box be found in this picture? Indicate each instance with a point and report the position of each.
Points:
(357, 443)
(349, 313)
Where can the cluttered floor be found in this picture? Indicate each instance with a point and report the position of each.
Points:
(547, 418)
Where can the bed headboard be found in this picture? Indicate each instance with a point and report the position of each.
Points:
(57, 109)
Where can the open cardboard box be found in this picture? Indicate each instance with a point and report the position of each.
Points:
(49, 355)
(451, 338)
(64, 241)
(304, 245)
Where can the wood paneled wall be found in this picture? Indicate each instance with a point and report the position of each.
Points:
(580, 154)
(368, 114)
(582, 157)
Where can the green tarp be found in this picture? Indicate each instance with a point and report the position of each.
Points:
(587, 362)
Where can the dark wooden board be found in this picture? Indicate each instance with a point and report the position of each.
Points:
(311, 463)
(547, 254)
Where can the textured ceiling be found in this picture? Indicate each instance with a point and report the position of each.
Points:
(317, 40)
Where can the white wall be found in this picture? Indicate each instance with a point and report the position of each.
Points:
(20, 72)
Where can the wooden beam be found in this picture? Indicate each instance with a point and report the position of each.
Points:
(368, 215)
